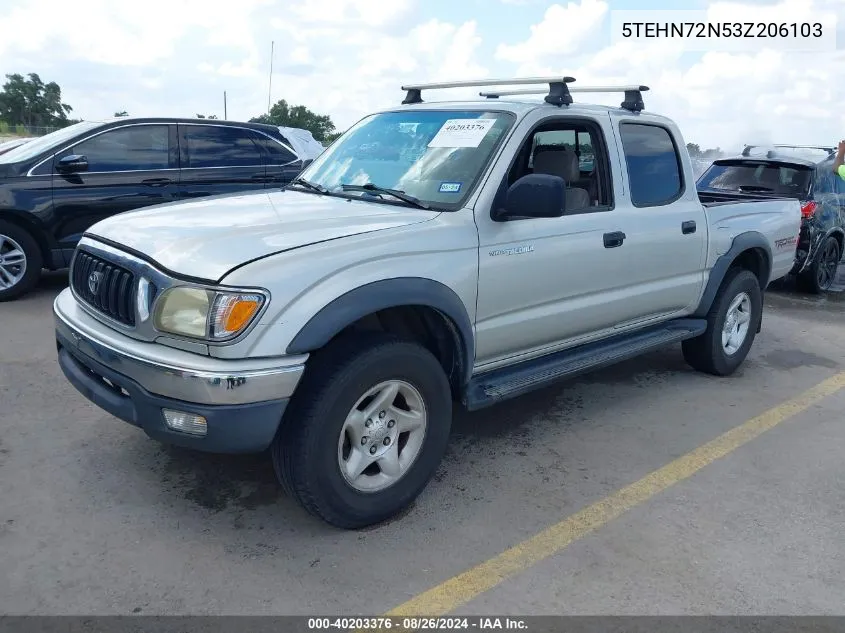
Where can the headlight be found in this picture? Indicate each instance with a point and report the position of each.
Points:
(206, 314)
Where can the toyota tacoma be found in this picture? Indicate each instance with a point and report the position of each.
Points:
(437, 254)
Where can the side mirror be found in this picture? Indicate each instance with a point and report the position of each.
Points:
(534, 196)
(72, 164)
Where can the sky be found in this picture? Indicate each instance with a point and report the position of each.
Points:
(346, 58)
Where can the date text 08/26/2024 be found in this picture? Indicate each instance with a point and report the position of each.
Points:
(417, 623)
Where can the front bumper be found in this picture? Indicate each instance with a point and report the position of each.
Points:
(242, 401)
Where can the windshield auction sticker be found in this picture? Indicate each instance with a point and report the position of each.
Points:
(462, 133)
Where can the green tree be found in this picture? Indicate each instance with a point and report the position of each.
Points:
(121, 113)
(320, 125)
(210, 116)
(693, 149)
(29, 101)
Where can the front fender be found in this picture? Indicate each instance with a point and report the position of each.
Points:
(380, 295)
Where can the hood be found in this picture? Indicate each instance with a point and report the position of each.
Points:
(207, 238)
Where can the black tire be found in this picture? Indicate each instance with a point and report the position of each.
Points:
(33, 261)
(706, 352)
(306, 449)
(820, 275)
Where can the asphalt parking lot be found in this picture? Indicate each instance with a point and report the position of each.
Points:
(97, 519)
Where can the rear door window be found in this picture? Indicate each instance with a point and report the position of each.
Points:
(654, 166)
(218, 146)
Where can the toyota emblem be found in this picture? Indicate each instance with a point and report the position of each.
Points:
(94, 280)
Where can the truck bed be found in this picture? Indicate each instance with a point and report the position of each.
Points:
(778, 218)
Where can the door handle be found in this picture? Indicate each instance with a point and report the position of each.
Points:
(156, 182)
(688, 227)
(612, 240)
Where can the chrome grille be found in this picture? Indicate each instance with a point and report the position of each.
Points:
(106, 287)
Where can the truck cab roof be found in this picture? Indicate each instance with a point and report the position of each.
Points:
(521, 107)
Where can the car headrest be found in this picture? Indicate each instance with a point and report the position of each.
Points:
(558, 162)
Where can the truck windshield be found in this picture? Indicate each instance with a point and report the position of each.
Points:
(43, 143)
(742, 176)
(436, 156)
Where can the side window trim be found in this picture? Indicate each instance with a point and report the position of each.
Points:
(682, 183)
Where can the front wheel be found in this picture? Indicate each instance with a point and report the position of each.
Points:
(731, 326)
(365, 431)
(20, 261)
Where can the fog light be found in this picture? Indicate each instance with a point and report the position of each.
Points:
(185, 422)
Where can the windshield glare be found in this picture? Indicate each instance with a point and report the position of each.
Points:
(434, 155)
(757, 177)
(43, 143)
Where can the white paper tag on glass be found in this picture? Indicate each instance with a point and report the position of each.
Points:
(462, 133)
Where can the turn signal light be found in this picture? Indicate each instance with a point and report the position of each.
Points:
(232, 313)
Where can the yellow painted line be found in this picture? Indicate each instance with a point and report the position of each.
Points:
(457, 591)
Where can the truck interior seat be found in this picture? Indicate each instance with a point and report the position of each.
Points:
(563, 163)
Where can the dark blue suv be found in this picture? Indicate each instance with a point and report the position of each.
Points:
(53, 188)
(783, 172)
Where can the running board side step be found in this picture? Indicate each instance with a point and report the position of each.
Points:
(498, 385)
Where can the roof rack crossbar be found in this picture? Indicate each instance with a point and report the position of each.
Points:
(558, 93)
(633, 94)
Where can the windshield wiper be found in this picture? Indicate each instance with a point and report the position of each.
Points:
(399, 195)
(309, 185)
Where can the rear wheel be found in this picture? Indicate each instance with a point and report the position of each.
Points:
(821, 274)
(731, 326)
(20, 261)
(365, 431)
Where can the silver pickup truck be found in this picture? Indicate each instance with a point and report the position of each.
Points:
(437, 253)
